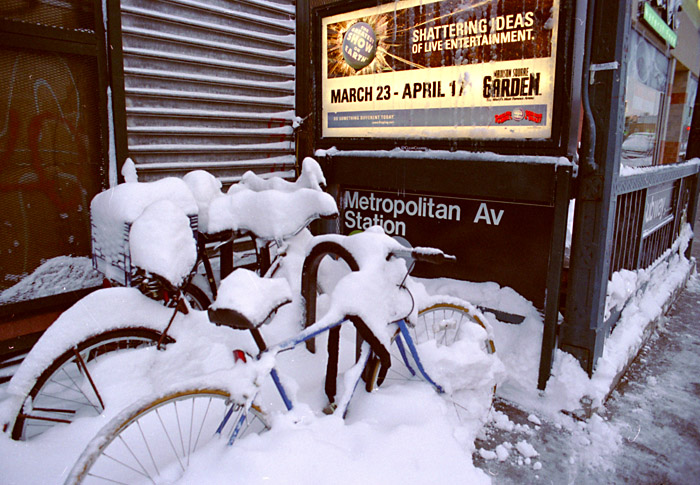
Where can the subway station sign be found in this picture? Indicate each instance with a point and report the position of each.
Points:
(440, 69)
(483, 234)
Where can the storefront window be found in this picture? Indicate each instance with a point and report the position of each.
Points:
(646, 83)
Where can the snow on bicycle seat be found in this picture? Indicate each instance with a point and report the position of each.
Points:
(272, 209)
(246, 299)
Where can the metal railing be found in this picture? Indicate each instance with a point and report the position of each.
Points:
(651, 209)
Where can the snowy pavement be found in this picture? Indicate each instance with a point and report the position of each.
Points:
(647, 432)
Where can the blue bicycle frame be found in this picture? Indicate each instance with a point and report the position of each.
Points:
(404, 342)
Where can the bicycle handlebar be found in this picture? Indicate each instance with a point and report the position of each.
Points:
(428, 255)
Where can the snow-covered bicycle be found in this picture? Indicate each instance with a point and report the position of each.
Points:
(55, 385)
(150, 242)
(157, 438)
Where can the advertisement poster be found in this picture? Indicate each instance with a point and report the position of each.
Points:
(440, 69)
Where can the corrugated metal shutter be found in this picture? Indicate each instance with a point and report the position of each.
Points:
(209, 84)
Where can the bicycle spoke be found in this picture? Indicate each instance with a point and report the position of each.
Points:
(179, 430)
(167, 435)
(89, 378)
(56, 397)
(143, 472)
(79, 390)
(201, 426)
(64, 385)
(459, 327)
(75, 388)
(425, 324)
(148, 448)
(189, 436)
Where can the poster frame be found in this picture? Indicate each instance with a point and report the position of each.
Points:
(565, 106)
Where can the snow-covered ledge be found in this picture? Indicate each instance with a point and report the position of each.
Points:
(402, 153)
(642, 298)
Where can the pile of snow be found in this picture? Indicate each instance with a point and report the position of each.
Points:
(113, 211)
(126, 202)
(642, 296)
(517, 346)
(272, 209)
(205, 188)
(402, 433)
(466, 156)
(252, 296)
(377, 300)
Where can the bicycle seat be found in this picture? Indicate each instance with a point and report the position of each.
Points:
(246, 300)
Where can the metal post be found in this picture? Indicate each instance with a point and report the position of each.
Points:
(115, 60)
(556, 258)
(583, 332)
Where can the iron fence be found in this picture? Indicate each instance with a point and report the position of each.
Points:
(651, 210)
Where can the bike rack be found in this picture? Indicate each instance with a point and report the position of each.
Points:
(309, 280)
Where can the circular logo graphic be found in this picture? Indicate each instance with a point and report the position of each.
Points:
(518, 114)
(359, 45)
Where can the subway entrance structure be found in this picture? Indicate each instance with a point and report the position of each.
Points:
(475, 126)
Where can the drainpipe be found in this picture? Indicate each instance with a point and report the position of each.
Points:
(588, 138)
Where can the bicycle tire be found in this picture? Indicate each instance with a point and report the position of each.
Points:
(446, 323)
(196, 297)
(155, 440)
(462, 312)
(57, 396)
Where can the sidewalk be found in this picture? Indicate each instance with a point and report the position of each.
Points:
(649, 432)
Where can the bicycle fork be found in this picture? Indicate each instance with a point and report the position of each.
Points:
(414, 354)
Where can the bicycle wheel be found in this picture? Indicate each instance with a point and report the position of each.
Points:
(196, 297)
(446, 323)
(153, 442)
(456, 351)
(65, 390)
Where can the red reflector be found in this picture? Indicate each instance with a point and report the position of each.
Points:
(239, 355)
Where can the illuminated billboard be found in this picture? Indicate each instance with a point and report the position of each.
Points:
(440, 69)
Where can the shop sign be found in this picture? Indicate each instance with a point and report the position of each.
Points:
(499, 241)
(655, 21)
(440, 69)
